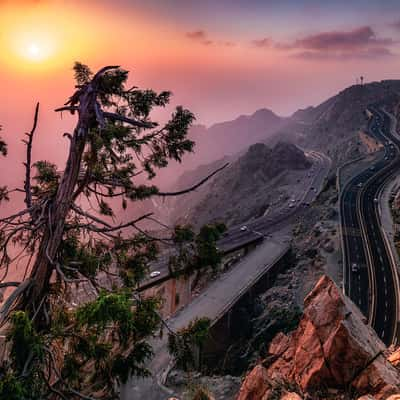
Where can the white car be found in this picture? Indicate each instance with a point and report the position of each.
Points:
(354, 267)
(243, 228)
(154, 274)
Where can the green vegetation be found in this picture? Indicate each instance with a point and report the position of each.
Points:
(60, 350)
(183, 344)
(201, 393)
(196, 252)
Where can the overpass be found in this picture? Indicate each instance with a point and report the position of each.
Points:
(220, 296)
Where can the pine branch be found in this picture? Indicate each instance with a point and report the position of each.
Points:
(130, 121)
(194, 187)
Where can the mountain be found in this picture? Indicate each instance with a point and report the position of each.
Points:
(224, 139)
(245, 188)
(333, 126)
(227, 138)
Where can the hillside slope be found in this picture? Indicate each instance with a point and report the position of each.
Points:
(333, 126)
(247, 187)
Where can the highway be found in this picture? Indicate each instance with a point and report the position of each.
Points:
(218, 296)
(370, 278)
(211, 303)
(265, 226)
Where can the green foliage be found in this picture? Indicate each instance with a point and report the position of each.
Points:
(4, 195)
(103, 341)
(183, 343)
(3, 145)
(196, 252)
(46, 178)
(208, 254)
(201, 393)
(24, 380)
(11, 388)
(25, 341)
(82, 73)
(111, 332)
(91, 257)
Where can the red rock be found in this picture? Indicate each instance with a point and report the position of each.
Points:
(394, 358)
(256, 385)
(291, 396)
(331, 348)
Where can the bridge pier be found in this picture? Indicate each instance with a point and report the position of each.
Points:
(235, 324)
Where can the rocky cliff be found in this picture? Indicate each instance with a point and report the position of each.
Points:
(332, 354)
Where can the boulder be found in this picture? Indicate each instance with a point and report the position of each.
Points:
(256, 385)
(331, 348)
(394, 358)
(291, 396)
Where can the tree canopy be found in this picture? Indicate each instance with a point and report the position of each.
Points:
(67, 236)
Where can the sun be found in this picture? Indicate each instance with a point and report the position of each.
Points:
(34, 51)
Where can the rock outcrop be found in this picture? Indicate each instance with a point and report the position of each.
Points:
(332, 349)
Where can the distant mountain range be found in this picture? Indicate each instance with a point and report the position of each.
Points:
(331, 127)
(227, 138)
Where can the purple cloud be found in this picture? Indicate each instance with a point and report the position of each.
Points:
(262, 43)
(342, 40)
(196, 35)
(361, 43)
(202, 37)
(396, 24)
(370, 53)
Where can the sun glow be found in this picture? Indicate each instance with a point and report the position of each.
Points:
(41, 38)
(34, 51)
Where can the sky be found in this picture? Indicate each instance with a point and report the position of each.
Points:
(220, 58)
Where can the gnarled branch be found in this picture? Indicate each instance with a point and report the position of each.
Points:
(194, 187)
(27, 184)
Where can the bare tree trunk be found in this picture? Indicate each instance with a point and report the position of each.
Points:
(59, 208)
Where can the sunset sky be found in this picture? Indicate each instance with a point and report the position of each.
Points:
(220, 58)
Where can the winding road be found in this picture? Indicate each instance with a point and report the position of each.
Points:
(224, 291)
(370, 277)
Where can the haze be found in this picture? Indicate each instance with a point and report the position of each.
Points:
(220, 59)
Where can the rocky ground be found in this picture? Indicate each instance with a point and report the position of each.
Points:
(332, 354)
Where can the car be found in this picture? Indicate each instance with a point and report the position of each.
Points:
(376, 200)
(354, 267)
(291, 205)
(372, 168)
(154, 274)
(312, 188)
(360, 184)
(386, 158)
(243, 228)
